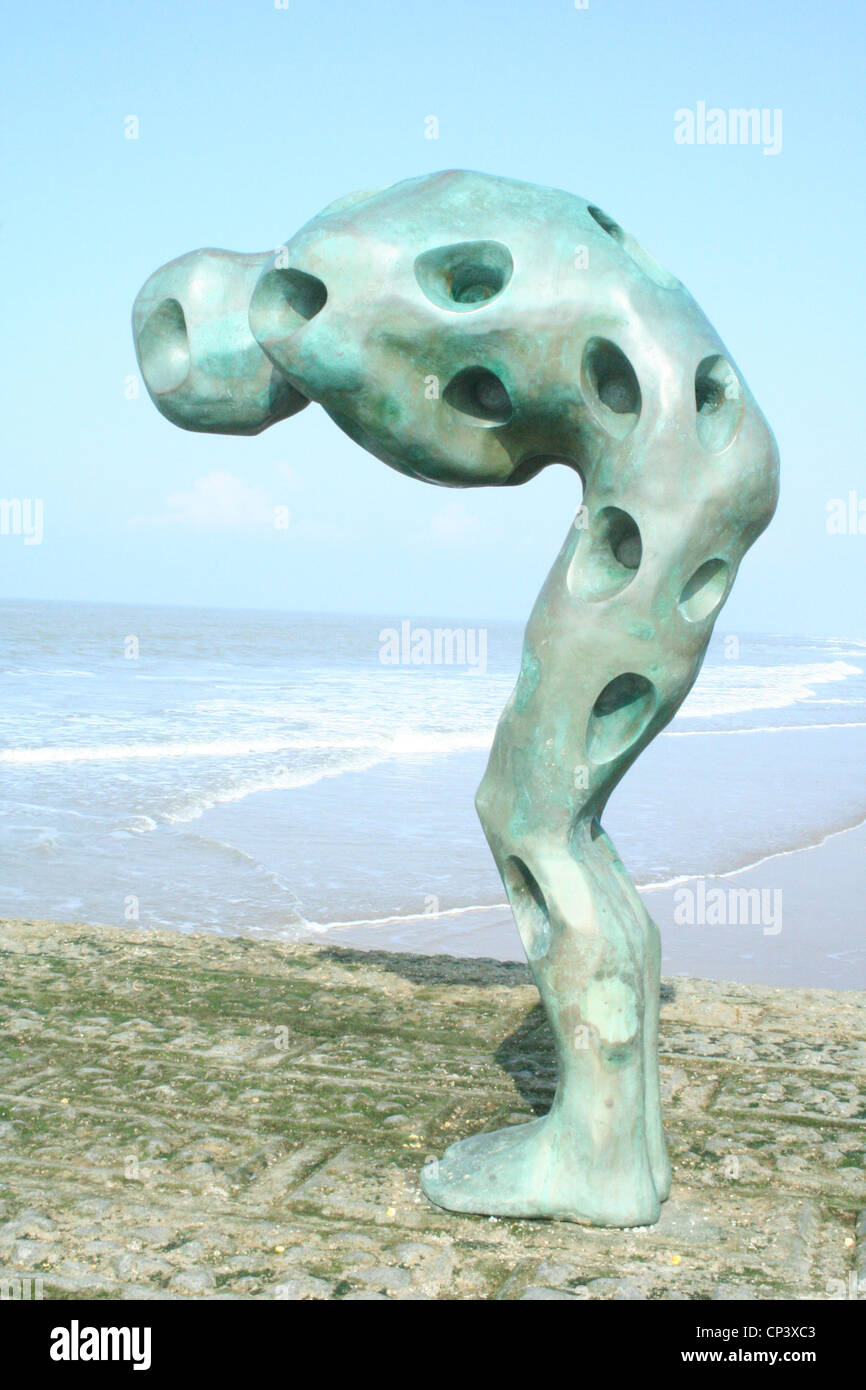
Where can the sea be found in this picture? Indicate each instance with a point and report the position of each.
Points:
(282, 774)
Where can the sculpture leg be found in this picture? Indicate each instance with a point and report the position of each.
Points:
(655, 1139)
(598, 1155)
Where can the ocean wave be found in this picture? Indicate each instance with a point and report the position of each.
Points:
(731, 689)
(647, 886)
(400, 745)
(138, 752)
(403, 743)
(193, 807)
(405, 917)
(723, 692)
(788, 852)
(763, 729)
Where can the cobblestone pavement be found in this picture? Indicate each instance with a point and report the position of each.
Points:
(189, 1116)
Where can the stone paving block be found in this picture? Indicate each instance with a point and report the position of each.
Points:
(195, 1117)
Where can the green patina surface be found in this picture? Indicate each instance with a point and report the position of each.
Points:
(470, 330)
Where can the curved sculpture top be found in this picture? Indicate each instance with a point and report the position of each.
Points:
(469, 330)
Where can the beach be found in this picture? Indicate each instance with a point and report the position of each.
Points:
(299, 777)
(796, 925)
(259, 966)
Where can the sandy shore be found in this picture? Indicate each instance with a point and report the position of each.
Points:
(803, 923)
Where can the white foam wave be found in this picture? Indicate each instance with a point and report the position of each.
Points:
(750, 864)
(650, 887)
(405, 917)
(404, 743)
(763, 729)
(283, 780)
(401, 745)
(727, 688)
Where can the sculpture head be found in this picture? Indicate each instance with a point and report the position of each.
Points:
(466, 329)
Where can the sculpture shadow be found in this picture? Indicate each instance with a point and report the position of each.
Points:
(477, 971)
(527, 1054)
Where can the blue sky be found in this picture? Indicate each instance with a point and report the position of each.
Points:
(252, 118)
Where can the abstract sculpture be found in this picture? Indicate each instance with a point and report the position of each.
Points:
(469, 330)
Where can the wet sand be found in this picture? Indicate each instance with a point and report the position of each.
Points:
(803, 924)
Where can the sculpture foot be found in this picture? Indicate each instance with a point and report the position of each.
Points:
(531, 1170)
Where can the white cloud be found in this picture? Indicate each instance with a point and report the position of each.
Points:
(221, 500)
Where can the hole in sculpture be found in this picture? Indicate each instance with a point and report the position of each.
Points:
(163, 348)
(642, 259)
(705, 590)
(609, 558)
(607, 224)
(610, 379)
(479, 395)
(466, 275)
(719, 403)
(530, 909)
(284, 300)
(619, 716)
(622, 537)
